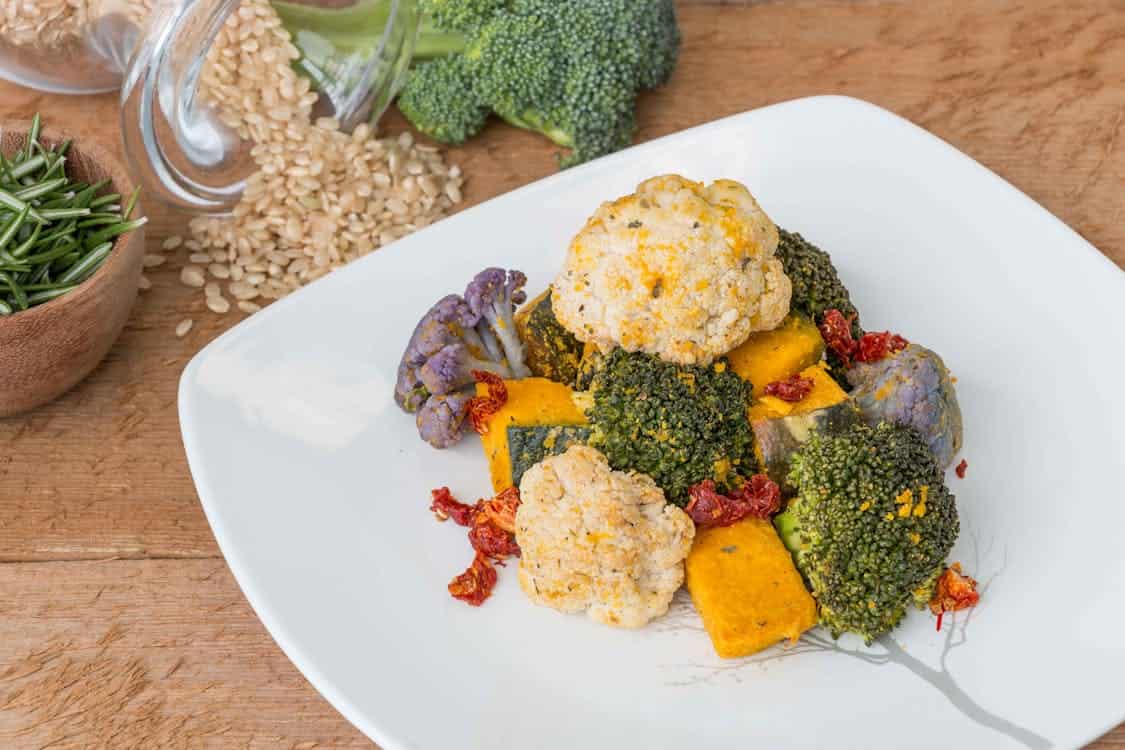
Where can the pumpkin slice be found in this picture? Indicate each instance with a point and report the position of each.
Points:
(780, 427)
(532, 402)
(552, 351)
(746, 588)
(775, 355)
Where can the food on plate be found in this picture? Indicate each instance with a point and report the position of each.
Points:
(531, 403)
(817, 287)
(457, 336)
(598, 540)
(911, 387)
(491, 525)
(552, 351)
(870, 527)
(746, 588)
(790, 462)
(570, 71)
(678, 269)
(769, 356)
(680, 424)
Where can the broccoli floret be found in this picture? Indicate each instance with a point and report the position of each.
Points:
(457, 335)
(871, 525)
(678, 424)
(568, 70)
(440, 100)
(816, 284)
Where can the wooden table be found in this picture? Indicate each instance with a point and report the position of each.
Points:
(120, 625)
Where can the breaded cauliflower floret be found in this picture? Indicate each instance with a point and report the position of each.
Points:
(679, 269)
(599, 540)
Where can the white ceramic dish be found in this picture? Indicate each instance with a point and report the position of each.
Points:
(317, 487)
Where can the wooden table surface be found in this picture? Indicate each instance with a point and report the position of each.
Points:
(120, 624)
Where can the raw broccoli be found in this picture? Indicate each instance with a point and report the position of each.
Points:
(678, 424)
(457, 335)
(870, 527)
(816, 284)
(569, 69)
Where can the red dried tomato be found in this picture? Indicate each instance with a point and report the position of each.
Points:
(954, 591)
(501, 510)
(961, 469)
(481, 408)
(490, 540)
(758, 498)
(445, 506)
(476, 583)
(836, 330)
(792, 389)
(873, 347)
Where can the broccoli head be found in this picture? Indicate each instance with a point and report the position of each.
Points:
(870, 527)
(816, 284)
(568, 70)
(678, 424)
(457, 335)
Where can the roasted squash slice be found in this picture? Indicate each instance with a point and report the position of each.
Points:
(532, 402)
(552, 351)
(775, 355)
(746, 588)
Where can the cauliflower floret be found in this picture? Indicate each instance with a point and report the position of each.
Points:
(678, 269)
(599, 540)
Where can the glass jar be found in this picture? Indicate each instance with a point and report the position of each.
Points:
(153, 52)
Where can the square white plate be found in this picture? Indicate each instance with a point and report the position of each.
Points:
(317, 486)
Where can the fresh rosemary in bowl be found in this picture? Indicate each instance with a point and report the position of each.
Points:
(54, 232)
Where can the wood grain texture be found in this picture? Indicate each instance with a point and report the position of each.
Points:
(1035, 91)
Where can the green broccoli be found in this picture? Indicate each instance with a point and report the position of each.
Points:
(568, 69)
(871, 525)
(678, 424)
(816, 284)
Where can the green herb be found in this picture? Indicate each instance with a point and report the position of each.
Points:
(54, 232)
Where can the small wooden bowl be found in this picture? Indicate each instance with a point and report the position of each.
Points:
(46, 350)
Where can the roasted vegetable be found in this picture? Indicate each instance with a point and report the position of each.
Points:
(816, 283)
(552, 351)
(870, 527)
(780, 427)
(456, 336)
(678, 424)
(911, 387)
(532, 402)
(528, 446)
(748, 593)
(775, 355)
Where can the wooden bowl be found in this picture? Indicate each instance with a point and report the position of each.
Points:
(46, 350)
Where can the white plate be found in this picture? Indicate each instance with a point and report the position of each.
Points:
(317, 487)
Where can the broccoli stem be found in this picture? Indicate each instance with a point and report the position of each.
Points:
(359, 28)
(533, 122)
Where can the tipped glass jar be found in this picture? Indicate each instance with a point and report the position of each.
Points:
(186, 132)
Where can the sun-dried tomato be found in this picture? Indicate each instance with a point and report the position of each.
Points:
(836, 330)
(873, 347)
(445, 506)
(481, 408)
(961, 469)
(954, 591)
(490, 540)
(758, 498)
(476, 583)
(501, 510)
(792, 389)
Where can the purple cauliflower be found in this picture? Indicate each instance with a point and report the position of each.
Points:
(459, 334)
(911, 387)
